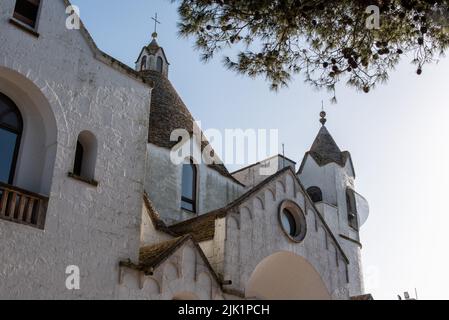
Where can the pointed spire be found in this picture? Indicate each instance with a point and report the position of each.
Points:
(324, 149)
(325, 145)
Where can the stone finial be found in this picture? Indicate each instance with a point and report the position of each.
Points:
(323, 119)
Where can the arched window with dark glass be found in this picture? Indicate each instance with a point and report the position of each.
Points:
(315, 194)
(11, 126)
(160, 64)
(79, 154)
(143, 63)
(189, 183)
(85, 157)
(352, 209)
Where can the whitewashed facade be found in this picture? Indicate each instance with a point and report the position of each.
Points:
(94, 187)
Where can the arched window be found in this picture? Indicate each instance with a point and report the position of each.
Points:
(143, 63)
(79, 153)
(189, 182)
(11, 126)
(160, 64)
(352, 209)
(315, 194)
(85, 157)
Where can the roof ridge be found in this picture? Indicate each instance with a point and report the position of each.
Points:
(158, 257)
(261, 161)
(234, 203)
(107, 59)
(253, 190)
(173, 241)
(168, 112)
(158, 223)
(223, 211)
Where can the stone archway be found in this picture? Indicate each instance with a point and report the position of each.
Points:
(286, 276)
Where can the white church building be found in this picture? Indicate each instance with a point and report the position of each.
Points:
(87, 184)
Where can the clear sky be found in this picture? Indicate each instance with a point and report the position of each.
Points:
(397, 135)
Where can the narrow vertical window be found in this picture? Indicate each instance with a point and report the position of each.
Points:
(352, 209)
(85, 157)
(189, 182)
(143, 64)
(78, 159)
(27, 11)
(160, 64)
(11, 126)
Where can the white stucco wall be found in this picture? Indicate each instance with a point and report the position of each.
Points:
(93, 228)
(253, 233)
(163, 183)
(62, 90)
(333, 181)
(331, 215)
(255, 174)
(184, 275)
(148, 233)
(38, 142)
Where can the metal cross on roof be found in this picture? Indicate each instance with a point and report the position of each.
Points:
(156, 22)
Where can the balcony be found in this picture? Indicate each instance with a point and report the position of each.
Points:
(22, 207)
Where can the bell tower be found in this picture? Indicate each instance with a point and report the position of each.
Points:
(329, 177)
(152, 57)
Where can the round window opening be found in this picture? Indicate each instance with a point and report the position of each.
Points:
(292, 221)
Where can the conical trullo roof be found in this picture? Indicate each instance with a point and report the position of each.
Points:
(168, 113)
(325, 150)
